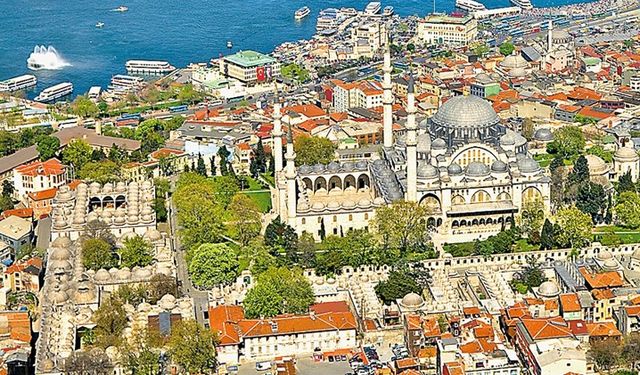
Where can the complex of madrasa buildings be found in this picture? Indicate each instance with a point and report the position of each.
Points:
(71, 293)
(471, 171)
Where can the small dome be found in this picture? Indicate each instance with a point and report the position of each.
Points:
(167, 302)
(543, 135)
(318, 206)
(318, 168)
(379, 201)
(304, 169)
(412, 300)
(626, 154)
(102, 275)
(439, 144)
(142, 273)
(123, 274)
(636, 254)
(514, 61)
(597, 166)
(454, 169)
(426, 170)
(59, 254)
(604, 255)
(333, 205)
(610, 265)
(528, 165)
(509, 139)
(548, 289)
(517, 73)
(333, 167)
(499, 166)
(362, 164)
(476, 169)
(62, 241)
(364, 202)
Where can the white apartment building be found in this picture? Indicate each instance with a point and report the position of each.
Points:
(39, 176)
(444, 29)
(363, 94)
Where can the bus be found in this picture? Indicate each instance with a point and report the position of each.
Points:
(131, 116)
(178, 108)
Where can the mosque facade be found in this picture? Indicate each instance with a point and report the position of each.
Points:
(473, 173)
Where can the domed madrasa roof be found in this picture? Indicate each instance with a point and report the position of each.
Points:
(466, 111)
(543, 134)
(626, 154)
(518, 72)
(548, 289)
(424, 143)
(596, 164)
(412, 300)
(438, 143)
(514, 61)
(476, 169)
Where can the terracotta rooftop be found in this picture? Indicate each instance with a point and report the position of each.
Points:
(42, 168)
(43, 194)
(569, 302)
(546, 328)
(603, 329)
(609, 279)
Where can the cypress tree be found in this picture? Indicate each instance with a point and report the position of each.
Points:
(547, 236)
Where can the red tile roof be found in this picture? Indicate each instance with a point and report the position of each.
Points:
(307, 110)
(570, 303)
(603, 329)
(602, 280)
(223, 320)
(42, 168)
(326, 307)
(547, 328)
(25, 213)
(43, 194)
(298, 324)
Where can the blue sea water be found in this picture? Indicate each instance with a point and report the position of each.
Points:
(179, 31)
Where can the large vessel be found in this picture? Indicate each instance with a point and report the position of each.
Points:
(470, 5)
(122, 84)
(18, 83)
(55, 92)
(524, 4)
(373, 7)
(149, 67)
(328, 19)
(348, 12)
(302, 13)
(387, 11)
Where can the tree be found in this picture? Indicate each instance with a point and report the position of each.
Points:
(82, 106)
(187, 94)
(136, 252)
(288, 291)
(580, 172)
(591, 199)
(402, 225)
(47, 146)
(192, 347)
(260, 157)
(576, 227)
(160, 285)
(605, 354)
(100, 171)
(547, 240)
(7, 188)
(245, 216)
(280, 236)
(397, 286)
(531, 276)
(100, 230)
(77, 153)
(225, 188)
(94, 362)
(6, 203)
(625, 183)
(111, 320)
(600, 152)
(307, 250)
(528, 129)
(138, 355)
(627, 210)
(507, 48)
(97, 253)
(103, 107)
(213, 264)
(631, 350)
(481, 49)
(223, 153)
(567, 141)
(259, 256)
(200, 167)
(531, 220)
(313, 150)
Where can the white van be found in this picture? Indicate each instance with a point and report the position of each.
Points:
(263, 366)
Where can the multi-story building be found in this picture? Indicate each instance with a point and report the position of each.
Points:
(38, 176)
(364, 94)
(15, 232)
(24, 276)
(250, 67)
(444, 29)
(368, 38)
(484, 86)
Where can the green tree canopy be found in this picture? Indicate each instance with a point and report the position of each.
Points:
(111, 320)
(97, 253)
(84, 107)
(402, 225)
(278, 291)
(100, 171)
(280, 236)
(591, 199)
(575, 227)
(397, 286)
(313, 150)
(625, 183)
(213, 264)
(47, 146)
(192, 347)
(77, 153)
(138, 354)
(136, 251)
(507, 48)
(245, 215)
(567, 141)
(627, 210)
(531, 220)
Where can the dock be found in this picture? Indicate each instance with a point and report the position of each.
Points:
(498, 12)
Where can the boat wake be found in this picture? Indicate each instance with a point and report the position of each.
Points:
(46, 58)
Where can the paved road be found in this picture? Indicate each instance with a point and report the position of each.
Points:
(43, 233)
(200, 298)
(304, 366)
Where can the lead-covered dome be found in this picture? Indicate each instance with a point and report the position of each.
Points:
(467, 111)
(476, 169)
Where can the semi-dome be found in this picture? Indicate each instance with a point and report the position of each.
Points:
(509, 139)
(427, 170)
(466, 111)
(498, 166)
(476, 169)
(543, 135)
(439, 143)
(59, 254)
(517, 72)
(454, 169)
(412, 300)
(528, 165)
(548, 289)
(625, 154)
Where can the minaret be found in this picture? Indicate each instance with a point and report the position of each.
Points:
(277, 134)
(550, 36)
(290, 174)
(387, 98)
(411, 141)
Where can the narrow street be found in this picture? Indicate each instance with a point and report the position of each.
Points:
(200, 298)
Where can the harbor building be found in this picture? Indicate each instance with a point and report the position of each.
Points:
(444, 29)
(250, 67)
(471, 171)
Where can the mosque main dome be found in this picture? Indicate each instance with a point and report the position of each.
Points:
(466, 117)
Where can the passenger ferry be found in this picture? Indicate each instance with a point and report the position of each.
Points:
(55, 92)
(470, 5)
(387, 11)
(18, 83)
(328, 19)
(302, 13)
(524, 4)
(373, 7)
(149, 67)
(348, 12)
(121, 83)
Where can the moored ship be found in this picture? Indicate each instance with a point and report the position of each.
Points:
(149, 67)
(470, 5)
(373, 7)
(55, 92)
(18, 83)
(524, 4)
(387, 11)
(302, 13)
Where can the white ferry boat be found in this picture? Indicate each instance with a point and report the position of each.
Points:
(373, 7)
(302, 13)
(387, 11)
(121, 9)
(55, 92)
(121, 82)
(348, 12)
(327, 19)
(149, 67)
(470, 5)
(18, 83)
(524, 4)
